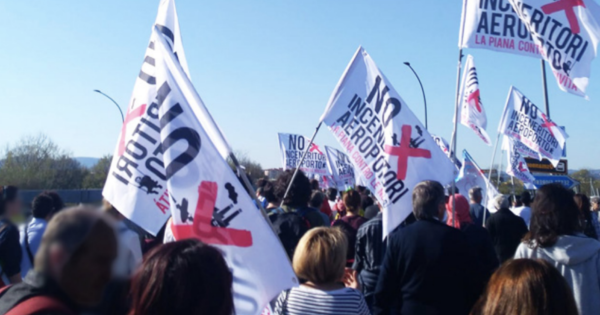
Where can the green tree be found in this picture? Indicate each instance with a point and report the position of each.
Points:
(97, 174)
(253, 168)
(587, 182)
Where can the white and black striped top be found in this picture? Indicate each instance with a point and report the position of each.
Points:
(306, 300)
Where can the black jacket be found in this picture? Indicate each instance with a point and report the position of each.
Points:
(483, 250)
(506, 230)
(370, 250)
(428, 269)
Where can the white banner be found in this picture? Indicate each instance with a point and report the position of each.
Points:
(340, 168)
(472, 114)
(517, 167)
(442, 143)
(207, 200)
(568, 33)
(523, 150)
(494, 25)
(388, 146)
(524, 121)
(136, 183)
(292, 147)
(472, 176)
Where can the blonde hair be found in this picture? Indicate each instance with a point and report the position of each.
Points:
(320, 256)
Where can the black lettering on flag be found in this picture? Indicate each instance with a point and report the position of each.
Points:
(192, 138)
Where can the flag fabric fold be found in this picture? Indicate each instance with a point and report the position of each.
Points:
(472, 113)
(340, 168)
(517, 167)
(471, 176)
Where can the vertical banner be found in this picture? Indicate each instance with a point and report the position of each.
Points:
(388, 146)
(341, 168)
(567, 31)
(292, 148)
(472, 176)
(494, 25)
(136, 182)
(472, 113)
(517, 167)
(206, 199)
(523, 121)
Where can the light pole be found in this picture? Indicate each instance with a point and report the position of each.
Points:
(110, 98)
(422, 89)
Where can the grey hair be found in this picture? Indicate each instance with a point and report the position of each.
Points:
(475, 193)
(68, 229)
(426, 199)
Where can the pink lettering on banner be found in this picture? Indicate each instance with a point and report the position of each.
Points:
(565, 81)
(131, 115)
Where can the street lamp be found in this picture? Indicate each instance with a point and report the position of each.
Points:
(422, 89)
(110, 98)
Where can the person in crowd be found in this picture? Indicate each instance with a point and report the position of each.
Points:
(524, 211)
(556, 236)
(317, 199)
(351, 221)
(372, 211)
(506, 229)
(273, 203)
(319, 261)
(183, 277)
(10, 249)
(324, 206)
(590, 226)
(298, 197)
(516, 202)
(366, 202)
(476, 210)
(595, 204)
(72, 266)
(428, 268)
(369, 253)
(129, 255)
(478, 237)
(57, 200)
(260, 184)
(332, 195)
(527, 287)
(42, 209)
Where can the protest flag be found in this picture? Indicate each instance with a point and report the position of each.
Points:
(471, 175)
(567, 31)
(388, 146)
(314, 164)
(206, 199)
(523, 121)
(340, 168)
(472, 113)
(517, 167)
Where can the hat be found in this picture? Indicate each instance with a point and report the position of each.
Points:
(500, 201)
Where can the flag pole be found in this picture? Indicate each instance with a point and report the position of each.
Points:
(301, 160)
(454, 131)
(490, 177)
(545, 85)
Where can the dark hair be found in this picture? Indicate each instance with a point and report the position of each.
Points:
(42, 206)
(314, 184)
(526, 198)
(332, 193)
(475, 194)
(261, 182)
(585, 212)
(268, 191)
(8, 194)
(184, 277)
(527, 286)
(426, 199)
(352, 201)
(300, 191)
(316, 199)
(553, 213)
(361, 189)
(366, 202)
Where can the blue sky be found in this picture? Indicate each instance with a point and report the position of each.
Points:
(261, 67)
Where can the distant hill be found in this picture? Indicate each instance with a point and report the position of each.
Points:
(87, 161)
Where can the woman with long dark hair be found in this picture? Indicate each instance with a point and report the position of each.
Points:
(585, 211)
(556, 236)
(10, 247)
(183, 277)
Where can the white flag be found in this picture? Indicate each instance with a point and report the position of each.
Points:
(523, 150)
(525, 122)
(388, 146)
(568, 33)
(207, 200)
(340, 168)
(494, 25)
(472, 176)
(472, 114)
(517, 167)
(292, 148)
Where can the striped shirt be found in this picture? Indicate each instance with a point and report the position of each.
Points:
(306, 300)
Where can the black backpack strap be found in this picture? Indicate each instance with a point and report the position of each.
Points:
(27, 248)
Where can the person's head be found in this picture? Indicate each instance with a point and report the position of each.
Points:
(361, 189)
(10, 203)
(428, 200)
(352, 201)
(527, 287)
(553, 213)
(461, 208)
(516, 201)
(57, 200)
(111, 211)
(183, 277)
(332, 194)
(583, 204)
(366, 202)
(501, 202)
(475, 195)
(42, 207)
(259, 192)
(268, 191)
(320, 256)
(261, 183)
(314, 184)
(316, 199)
(595, 201)
(526, 198)
(77, 251)
(299, 193)
(450, 190)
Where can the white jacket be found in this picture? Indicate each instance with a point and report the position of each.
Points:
(577, 258)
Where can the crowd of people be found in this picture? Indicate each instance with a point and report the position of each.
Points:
(526, 255)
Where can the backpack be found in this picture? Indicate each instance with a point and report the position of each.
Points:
(290, 227)
(37, 304)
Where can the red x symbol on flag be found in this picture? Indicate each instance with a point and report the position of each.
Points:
(548, 124)
(404, 151)
(314, 147)
(202, 228)
(569, 7)
(475, 97)
(131, 115)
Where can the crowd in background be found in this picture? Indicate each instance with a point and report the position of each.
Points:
(452, 255)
